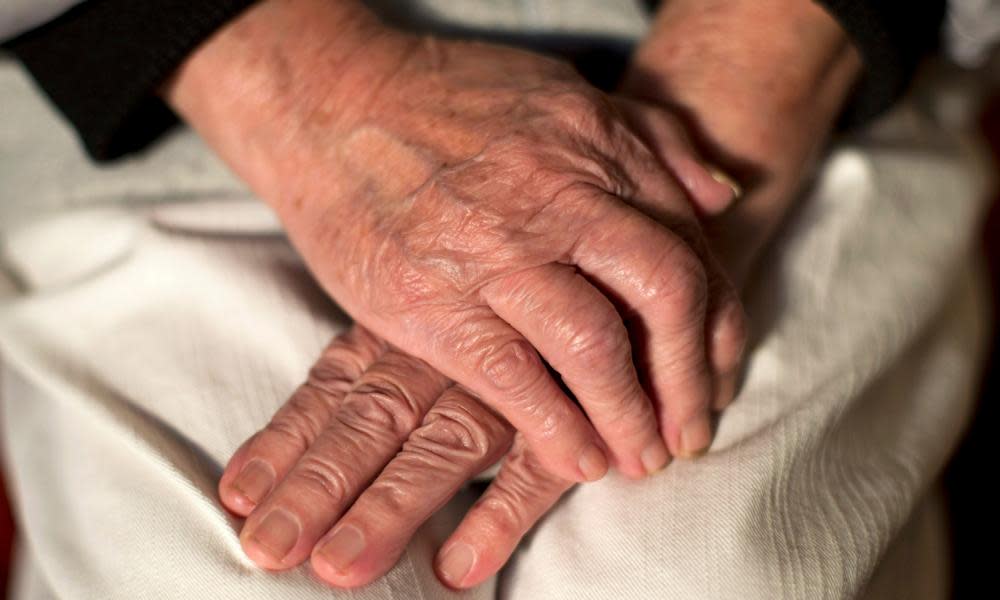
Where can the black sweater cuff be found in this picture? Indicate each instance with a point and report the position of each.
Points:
(102, 61)
(892, 37)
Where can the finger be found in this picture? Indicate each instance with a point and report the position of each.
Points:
(497, 364)
(662, 286)
(579, 332)
(727, 336)
(386, 403)
(521, 494)
(459, 438)
(711, 190)
(266, 457)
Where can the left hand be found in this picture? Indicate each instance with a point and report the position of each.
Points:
(373, 444)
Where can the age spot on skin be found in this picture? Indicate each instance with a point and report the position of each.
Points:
(376, 154)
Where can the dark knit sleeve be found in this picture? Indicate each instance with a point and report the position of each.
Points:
(892, 37)
(102, 61)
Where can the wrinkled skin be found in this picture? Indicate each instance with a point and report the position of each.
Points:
(488, 210)
(481, 208)
(389, 442)
(376, 441)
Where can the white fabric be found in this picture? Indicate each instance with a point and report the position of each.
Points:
(128, 381)
(17, 16)
(972, 28)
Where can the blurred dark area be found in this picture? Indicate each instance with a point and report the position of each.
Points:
(970, 474)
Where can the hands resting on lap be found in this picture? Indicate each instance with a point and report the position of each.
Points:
(482, 211)
(376, 441)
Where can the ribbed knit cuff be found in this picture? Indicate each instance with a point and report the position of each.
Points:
(102, 61)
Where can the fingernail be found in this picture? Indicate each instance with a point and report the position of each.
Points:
(726, 180)
(343, 547)
(456, 563)
(695, 438)
(277, 533)
(255, 481)
(593, 463)
(654, 457)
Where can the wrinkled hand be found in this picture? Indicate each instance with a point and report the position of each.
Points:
(372, 445)
(316, 471)
(487, 216)
(483, 209)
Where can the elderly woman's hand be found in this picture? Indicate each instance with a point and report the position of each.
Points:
(480, 208)
(318, 470)
(372, 445)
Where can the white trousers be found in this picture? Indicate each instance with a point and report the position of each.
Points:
(154, 318)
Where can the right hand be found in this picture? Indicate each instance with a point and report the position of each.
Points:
(475, 206)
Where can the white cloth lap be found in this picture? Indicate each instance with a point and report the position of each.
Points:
(135, 363)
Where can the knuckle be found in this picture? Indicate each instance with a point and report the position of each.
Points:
(296, 423)
(506, 516)
(584, 109)
(454, 432)
(512, 366)
(328, 373)
(393, 494)
(600, 344)
(381, 405)
(310, 404)
(679, 279)
(519, 496)
(317, 475)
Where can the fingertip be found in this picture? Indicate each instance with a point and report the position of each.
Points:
(248, 488)
(655, 457)
(644, 463)
(326, 572)
(568, 462)
(273, 541)
(235, 502)
(593, 464)
(631, 472)
(344, 558)
(695, 437)
(261, 556)
(726, 191)
(711, 190)
(454, 565)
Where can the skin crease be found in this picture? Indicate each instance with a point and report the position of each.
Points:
(481, 208)
(453, 435)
